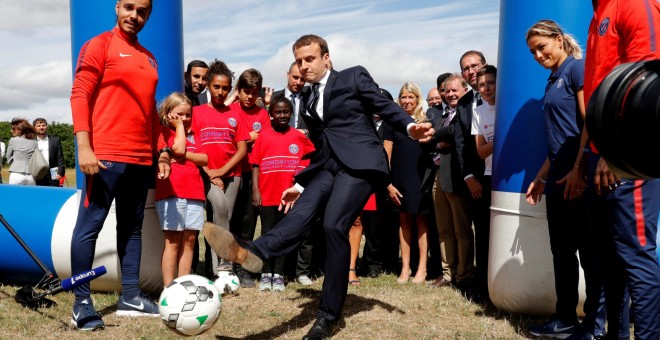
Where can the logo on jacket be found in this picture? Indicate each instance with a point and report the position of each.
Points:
(232, 122)
(293, 148)
(602, 28)
(256, 126)
(153, 63)
(191, 139)
(560, 83)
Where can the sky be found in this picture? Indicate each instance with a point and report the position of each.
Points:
(396, 40)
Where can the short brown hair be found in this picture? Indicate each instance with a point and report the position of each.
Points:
(39, 120)
(250, 79)
(309, 39)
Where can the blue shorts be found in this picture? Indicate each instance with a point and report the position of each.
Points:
(179, 214)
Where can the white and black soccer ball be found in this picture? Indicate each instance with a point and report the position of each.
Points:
(190, 305)
(227, 282)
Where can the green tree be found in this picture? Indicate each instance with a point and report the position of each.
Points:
(65, 132)
(5, 134)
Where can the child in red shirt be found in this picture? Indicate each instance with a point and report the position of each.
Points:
(276, 158)
(244, 219)
(180, 198)
(223, 134)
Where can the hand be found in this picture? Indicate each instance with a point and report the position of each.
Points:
(89, 164)
(535, 191)
(394, 195)
(421, 132)
(58, 177)
(289, 197)
(604, 178)
(174, 120)
(475, 187)
(254, 135)
(218, 182)
(164, 169)
(256, 198)
(268, 95)
(575, 184)
(216, 173)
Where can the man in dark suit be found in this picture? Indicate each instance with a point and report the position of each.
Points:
(450, 194)
(55, 154)
(350, 164)
(472, 168)
(293, 91)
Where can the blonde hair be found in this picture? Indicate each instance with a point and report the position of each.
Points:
(169, 103)
(418, 114)
(551, 29)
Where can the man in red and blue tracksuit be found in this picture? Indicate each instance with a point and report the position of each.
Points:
(624, 31)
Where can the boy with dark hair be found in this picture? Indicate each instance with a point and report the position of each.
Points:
(244, 218)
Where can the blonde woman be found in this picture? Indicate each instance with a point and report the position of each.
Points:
(561, 178)
(408, 162)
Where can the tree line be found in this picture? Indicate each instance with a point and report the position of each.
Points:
(62, 130)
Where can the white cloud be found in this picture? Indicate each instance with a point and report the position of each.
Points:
(396, 41)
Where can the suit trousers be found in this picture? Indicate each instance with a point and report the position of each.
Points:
(454, 225)
(339, 195)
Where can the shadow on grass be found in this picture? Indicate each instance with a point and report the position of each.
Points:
(354, 305)
(520, 322)
(64, 325)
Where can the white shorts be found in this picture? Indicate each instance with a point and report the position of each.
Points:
(179, 214)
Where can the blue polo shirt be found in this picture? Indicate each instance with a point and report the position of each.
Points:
(562, 115)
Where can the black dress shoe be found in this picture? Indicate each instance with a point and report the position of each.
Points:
(322, 329)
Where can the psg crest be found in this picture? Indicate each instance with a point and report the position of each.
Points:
(293, 148)
(232, 122)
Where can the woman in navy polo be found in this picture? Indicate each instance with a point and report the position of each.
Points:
(562, 178)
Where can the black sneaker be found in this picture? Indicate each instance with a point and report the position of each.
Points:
(139, 305)
(85, 317)
(245, 278)
(554, 328)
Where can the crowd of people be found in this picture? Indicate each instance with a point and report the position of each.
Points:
(28, 138)
(324, 164)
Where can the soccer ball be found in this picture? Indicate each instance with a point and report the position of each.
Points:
(190, 305)
(227, 282)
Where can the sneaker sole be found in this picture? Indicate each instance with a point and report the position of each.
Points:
(135, 313)
(97, 328)
(224, 244)
(554, 335)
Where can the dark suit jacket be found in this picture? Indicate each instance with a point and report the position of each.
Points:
(450, 171)
(301, 122)
(347, 128)
(466, 148)
(55, 154)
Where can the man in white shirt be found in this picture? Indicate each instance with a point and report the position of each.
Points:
(51, 148)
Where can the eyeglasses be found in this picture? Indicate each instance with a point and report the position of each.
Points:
(473, 67)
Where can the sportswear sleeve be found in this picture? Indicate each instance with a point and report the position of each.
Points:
(242, 130)
(639, 27)
(255, 156)
(577, 75)
(89, 70)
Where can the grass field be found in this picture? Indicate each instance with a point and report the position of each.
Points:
(378, 309)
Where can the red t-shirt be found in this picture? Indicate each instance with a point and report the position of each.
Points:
(278, 156)
(621, 31)
(218, 131)
(185, 180)
(113, 98)
(255, 119)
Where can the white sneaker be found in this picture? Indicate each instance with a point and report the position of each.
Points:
(305, 280)
(278, 283)
(266, 282)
